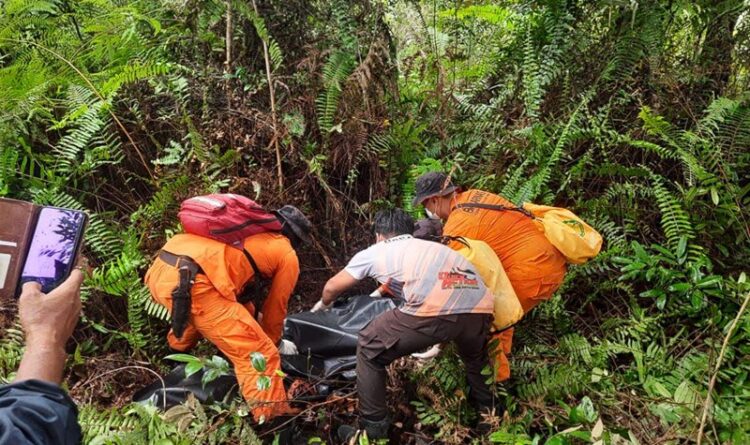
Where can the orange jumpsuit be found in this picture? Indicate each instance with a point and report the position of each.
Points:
(216, 315)
(534, 266)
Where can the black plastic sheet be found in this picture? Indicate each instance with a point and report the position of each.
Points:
(327, 342)
(333, 333)
(176, 387)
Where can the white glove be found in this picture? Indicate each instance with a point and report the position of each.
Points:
(287, 348)
(320, 306)
(376, 293)
(428, 354)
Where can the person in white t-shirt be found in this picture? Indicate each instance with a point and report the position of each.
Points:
(445, 300)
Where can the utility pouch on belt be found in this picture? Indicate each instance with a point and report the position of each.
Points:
(181, 299)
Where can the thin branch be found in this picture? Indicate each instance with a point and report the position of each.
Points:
(712, 383)
(228, 44)
(267, 59)
(98, 376)
(307, 410)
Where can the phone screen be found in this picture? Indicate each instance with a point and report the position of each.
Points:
(53, 248)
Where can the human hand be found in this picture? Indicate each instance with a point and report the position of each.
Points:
(286, 347)
(321, 306)
(428, 354)
(49, 319)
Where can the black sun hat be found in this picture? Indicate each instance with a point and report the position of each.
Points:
(296, 220)
(431, 184)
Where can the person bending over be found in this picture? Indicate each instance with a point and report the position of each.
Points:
(536, 269)
(445, 300)
(214, 275)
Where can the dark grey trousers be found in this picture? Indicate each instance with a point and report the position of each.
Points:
(395, 334)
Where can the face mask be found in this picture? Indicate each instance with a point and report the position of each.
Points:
(430, 215)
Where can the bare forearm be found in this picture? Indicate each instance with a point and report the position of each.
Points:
(337, 285)
(330, 293)
(42, 361)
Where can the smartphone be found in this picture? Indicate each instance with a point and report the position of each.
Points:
(55, 244)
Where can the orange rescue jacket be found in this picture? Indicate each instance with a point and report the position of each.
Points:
(228, 269)
(522, 248)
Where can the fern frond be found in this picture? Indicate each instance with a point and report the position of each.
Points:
(675, 221)
(68, 150)
(132, 73)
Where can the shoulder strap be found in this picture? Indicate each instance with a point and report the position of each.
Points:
(445, 239)
(249, 257)
(479, 205)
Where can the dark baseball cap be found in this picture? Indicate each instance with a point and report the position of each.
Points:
(431, 184)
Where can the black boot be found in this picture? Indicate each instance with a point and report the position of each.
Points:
(485, 424)
(375, 430)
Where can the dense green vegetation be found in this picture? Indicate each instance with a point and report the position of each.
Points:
(636, 114)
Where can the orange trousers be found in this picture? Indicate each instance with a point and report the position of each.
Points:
(530, 293)
(231, 327)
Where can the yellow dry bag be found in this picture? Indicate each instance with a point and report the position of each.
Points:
(575, 239)
(508, 309)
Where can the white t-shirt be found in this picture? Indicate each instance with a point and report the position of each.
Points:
(432, 278)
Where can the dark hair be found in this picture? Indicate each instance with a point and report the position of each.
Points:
(393, 222)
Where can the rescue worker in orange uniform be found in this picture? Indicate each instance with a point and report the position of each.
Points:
(220, 273)
(536, 269)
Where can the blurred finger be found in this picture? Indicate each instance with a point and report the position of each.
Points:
(73, 283)
(31, 286)
(83, 265)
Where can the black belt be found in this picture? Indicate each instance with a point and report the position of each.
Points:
(180, 261)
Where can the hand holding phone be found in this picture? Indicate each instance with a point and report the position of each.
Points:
(48, 320)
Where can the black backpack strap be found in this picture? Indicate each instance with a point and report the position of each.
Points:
(445, 239)
(254, 290)
(479, 205)
(253, 264)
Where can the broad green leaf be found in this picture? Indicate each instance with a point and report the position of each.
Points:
(661, 301)
(557, 440)
(681, 247)
(258, 360)
(680, 287)
(696, 300)
(193, 367)
(263, 383)
(184, 358)
(709, 281)
(584, 412)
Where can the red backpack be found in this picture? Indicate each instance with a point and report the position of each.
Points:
(226, 217)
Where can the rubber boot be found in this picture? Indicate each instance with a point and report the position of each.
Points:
(484, 425)
(375, 430)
